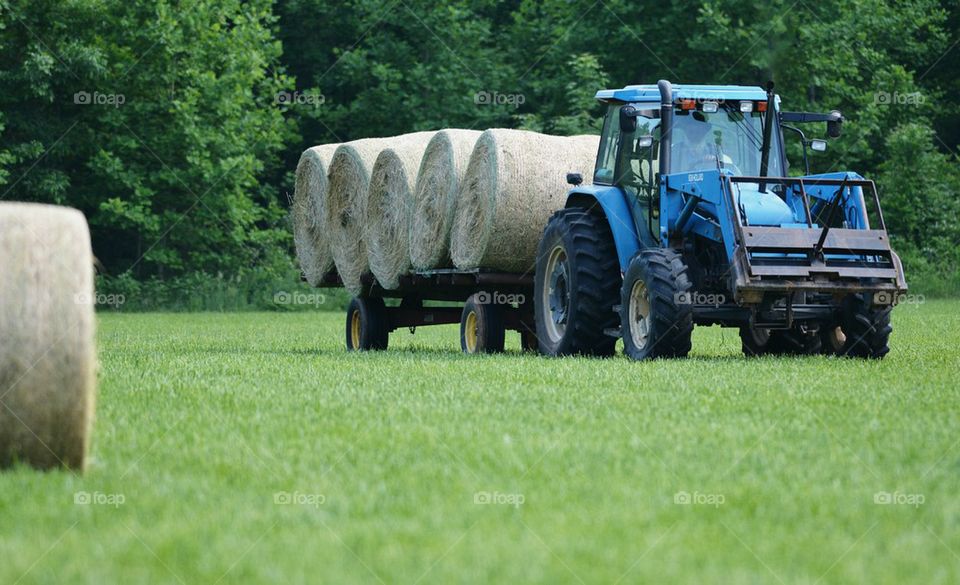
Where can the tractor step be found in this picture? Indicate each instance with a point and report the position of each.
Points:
(614, 331)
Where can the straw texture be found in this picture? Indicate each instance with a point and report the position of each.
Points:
(47, 359)
(514, 182)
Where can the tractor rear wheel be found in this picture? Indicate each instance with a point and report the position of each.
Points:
(867, 329)
(654, 321)
(481, 327)
(368, 327)
(576, 285)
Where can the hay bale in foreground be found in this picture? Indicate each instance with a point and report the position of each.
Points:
(514, 181)
(389, 206)
(47, 359)
(349, 174)
(438, 181)
(309, 210)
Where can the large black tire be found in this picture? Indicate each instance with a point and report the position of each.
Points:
(481, 327)
(867, 329)
(576, 285)
(756, 342)
(656, 317)
(368, 326)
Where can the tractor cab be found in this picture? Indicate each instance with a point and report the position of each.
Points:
(712, 128)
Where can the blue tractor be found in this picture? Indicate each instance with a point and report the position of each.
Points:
(692, 219)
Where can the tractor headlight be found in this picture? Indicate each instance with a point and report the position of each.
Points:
(710, 107)
(746, 107)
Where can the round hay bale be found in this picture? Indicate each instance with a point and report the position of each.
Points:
(349, 175)
(47, 360)
(309, 210)
(389, 206)
(438, 180)
(514, 182)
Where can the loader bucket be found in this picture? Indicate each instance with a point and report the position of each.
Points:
(811, 255)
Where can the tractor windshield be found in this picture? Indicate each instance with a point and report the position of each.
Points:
(727, 137)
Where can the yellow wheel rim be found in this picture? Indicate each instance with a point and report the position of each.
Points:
(470, 332)
(355, 330)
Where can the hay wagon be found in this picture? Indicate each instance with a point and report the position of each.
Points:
(492, 304)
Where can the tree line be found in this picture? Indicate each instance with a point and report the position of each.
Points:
(176, 126)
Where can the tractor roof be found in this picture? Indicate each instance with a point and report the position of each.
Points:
(650, 93)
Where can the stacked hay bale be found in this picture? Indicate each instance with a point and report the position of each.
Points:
(434, 199)
(349, 174)
(428, 200)
(309, 210)
(47, 360)
(389, 207)
(514, 181)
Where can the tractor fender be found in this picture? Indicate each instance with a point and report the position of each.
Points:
(613, 202)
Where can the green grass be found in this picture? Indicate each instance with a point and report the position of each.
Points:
(204, 419)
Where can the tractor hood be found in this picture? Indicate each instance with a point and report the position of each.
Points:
(762, 208)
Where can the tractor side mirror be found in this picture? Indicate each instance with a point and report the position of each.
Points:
(833, 125)
(818, 145)
(628, 119)
(574, 179)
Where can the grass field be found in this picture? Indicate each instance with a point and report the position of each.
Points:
(236, 448)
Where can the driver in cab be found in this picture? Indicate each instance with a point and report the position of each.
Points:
(695, 148)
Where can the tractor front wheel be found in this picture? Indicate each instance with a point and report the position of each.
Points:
(655, 320)
(867, 329)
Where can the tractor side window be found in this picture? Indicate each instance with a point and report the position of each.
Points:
(630, 166)
(607, 155)
(640, 161)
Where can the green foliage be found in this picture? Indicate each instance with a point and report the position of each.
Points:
(918, 188)
(157, 122)
(251, 290)
(183, 160)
